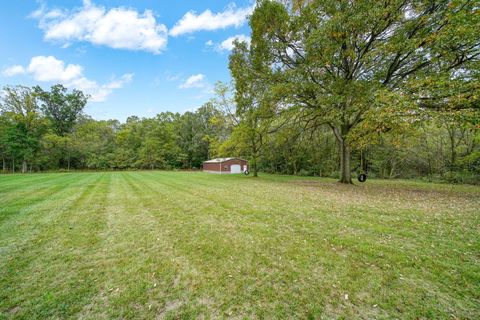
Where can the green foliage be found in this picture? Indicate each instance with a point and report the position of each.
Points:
(254, 107)
(364, 68)
(94, 143)
(22, 125)
(58, 136)
(61, 107)
(196, 132)
(437, 146)
(53, 153)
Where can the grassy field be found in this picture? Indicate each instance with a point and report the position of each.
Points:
(194, 245)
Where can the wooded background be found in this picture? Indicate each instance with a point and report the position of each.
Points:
(440, 148)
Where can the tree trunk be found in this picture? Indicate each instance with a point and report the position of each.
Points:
(345, 170)
(4, 164)
(24, 166)
(453, 154)
(392, 170)
(254, 158)
(13, 165)
(254, 167)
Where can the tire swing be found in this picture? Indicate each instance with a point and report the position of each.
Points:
(362, 176)
(246, 172)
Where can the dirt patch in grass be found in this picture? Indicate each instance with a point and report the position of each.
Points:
(169, 307)
(13, 310)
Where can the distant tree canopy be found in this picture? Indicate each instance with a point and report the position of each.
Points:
(47, 130)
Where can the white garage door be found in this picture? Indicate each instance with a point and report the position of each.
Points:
(235, 168)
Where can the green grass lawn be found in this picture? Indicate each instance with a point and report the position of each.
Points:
(194, 245)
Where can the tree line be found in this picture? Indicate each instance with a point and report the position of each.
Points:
(48, 130)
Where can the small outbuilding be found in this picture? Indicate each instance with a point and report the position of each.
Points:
(225, 165)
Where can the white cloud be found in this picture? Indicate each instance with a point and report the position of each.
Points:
(99, 93)
(13, 71)
(207, 20)
(119, 83)
(228, 43)
(118, 28)
(173, 77)
(51, 69)
(195, 81)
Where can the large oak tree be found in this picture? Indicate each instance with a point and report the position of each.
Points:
(343, 62)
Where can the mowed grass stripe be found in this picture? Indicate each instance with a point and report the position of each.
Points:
(141, 260)
(189, 245)
(37, 208)
(19, 200)
(7, 182)
(48, 258)
(202, 249)
(10, 183)
(231, 242)
(395, 251)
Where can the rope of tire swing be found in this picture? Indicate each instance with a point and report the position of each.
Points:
(362, 176)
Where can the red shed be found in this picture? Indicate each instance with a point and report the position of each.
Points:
(225, 165)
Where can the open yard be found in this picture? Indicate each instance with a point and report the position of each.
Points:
(196, 245)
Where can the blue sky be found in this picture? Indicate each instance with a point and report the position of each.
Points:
(133, 57)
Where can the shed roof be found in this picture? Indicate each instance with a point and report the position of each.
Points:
(220, 160)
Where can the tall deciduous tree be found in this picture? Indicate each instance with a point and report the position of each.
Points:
(24, 125)
(61, 107)
(254, 107)
(339, 58)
